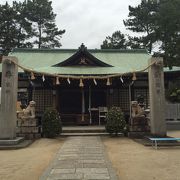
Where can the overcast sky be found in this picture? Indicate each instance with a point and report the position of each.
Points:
(89, 21)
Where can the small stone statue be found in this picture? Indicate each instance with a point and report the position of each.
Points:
(29, 112)
(137, 110)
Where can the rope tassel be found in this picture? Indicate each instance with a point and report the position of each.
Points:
(81, 83)
(108, 82)
(32, 76)
(134, 77)
(57, 81)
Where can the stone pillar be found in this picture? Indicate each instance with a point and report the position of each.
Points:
(8, 98)
(157, 97)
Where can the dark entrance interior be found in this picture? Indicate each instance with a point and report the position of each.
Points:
(70, 104)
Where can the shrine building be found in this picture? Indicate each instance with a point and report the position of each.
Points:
(81, 82)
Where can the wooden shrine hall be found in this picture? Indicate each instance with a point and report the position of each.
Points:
(82, 84)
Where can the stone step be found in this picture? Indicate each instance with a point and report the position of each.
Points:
(88, 134)
(84, 129)
(22, 144)
(11, 141)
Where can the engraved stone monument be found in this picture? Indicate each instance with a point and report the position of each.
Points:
(157, 97)
(8, 101)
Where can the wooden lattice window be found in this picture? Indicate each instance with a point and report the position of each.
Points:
(119, 97)
(43, 99)
(113, 98)
(124, 99)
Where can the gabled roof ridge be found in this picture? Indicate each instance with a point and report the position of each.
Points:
(82, 53)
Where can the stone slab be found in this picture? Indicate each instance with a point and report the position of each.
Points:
(96, 176)
(92, 170)
(15, 141)
(21, 145)
(73, 176)
(63, 171)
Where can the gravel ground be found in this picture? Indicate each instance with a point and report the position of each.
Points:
(134, 161)
(30, 162)
(131, 160)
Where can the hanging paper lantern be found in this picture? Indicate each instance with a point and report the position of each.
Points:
(95, 82)
(108, 82)
(32, 76)
(81, 83)
(57, 81)
(134, 77)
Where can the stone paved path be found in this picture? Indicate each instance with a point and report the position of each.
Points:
(80, 158)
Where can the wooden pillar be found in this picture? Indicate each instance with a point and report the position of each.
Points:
(130, 99)
(90, 115)
(83, 104)
(8, 98)
(157, 97)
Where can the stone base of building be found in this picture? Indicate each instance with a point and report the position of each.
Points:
(17, 143)
(138, 135)
(9, 142)
(30, 136)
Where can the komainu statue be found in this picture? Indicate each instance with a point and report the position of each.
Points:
(27, 123)
(137, 110)
(29, 112)
(138, 119)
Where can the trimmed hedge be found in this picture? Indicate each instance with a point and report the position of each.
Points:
(51, 123)
(115, 121)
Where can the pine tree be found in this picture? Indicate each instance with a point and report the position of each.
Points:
(159, 21)
(7, 28)
(116, 41)
(41, 14)
(135, 43)
(141, 20)
(23, 25)
(168, 30)
(14, 27)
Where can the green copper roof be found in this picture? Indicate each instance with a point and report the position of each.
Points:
(122, 61)
(42, 60)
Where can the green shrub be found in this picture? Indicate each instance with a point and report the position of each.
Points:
(51, 123)
(173, 95)
(115, 121)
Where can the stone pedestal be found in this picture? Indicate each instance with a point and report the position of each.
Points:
(139, 124)
(8, 99)
(28, 128)
(157, 97)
